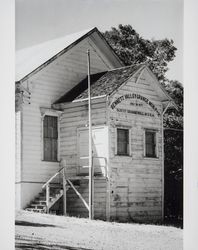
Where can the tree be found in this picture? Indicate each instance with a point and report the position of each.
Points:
(132, 49)
(173, 148)
(174, 119)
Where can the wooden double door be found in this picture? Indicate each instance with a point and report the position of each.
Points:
(99, 150)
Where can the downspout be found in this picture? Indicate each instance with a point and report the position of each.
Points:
(162, 128)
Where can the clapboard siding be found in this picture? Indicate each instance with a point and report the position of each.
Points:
(145, 92)
(78, 118)
(75, 207)
(71, 122)
(136, 181)
(99, 105)
(46, 87)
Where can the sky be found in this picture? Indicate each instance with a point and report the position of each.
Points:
(37, 21)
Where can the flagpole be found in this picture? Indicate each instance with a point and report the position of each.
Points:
(90, 143)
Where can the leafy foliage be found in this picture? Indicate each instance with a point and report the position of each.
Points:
(132, 49)
(174, 118)
(173, 149)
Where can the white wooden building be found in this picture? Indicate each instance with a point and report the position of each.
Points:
(52, 128)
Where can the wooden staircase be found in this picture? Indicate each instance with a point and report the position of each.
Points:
(39, 204)
(52, 192)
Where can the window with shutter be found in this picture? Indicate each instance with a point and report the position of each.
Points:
(122, 141)
(50, 138)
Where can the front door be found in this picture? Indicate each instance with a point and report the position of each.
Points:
(99, 149)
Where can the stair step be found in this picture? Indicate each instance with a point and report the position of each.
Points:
(42, 202)
(56, 191)
(37, 206)
(39, 201)
(36, 210)
(52, 192)
(43, 197)
(58, 185)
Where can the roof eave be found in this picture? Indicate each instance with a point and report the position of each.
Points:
(169, 98)
(110, 47)
(62, 104)
(66, 49)
(57, 55)
(171, 104)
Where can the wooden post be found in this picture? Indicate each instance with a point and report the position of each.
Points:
(107, 192)
(90, 143)
(79, 195)
(47, 197)
(162, 166)
(63, 165)
(64, 194)
(162, 117)
(92, 193)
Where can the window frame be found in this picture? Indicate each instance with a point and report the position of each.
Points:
(129, 141)
(155, 131)
(51, 139)
(54, 113)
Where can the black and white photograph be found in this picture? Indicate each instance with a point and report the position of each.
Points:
(99, 125)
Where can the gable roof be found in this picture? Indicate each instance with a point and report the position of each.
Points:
(104, 83)
(80, 88)
(31, 60)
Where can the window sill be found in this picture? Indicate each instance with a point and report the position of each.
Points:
(151, 158)
(51, 161)
(123, 155)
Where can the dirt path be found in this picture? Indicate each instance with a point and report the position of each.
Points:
(41, 231)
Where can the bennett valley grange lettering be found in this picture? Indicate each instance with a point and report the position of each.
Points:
(134, 96)
(135, 112)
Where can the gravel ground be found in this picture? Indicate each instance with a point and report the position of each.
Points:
(42, 231)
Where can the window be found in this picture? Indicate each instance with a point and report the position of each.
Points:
(50, 138)
(150, 143)
(122, 141)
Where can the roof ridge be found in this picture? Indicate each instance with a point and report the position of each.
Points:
(54, 39)
(128, 66)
